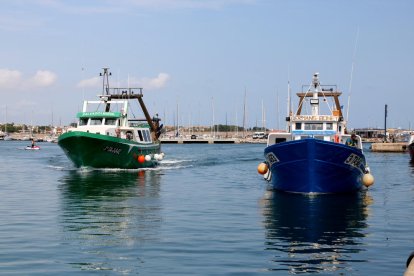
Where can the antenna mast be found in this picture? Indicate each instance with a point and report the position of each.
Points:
(352, 72)
(105, 80)
(289, 107)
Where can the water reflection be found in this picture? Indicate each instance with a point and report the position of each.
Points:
(109, 215)
(315, 234)
(119, 185)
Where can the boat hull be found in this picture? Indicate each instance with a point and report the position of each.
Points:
(315, 166)
(100, 151)
(411, 151)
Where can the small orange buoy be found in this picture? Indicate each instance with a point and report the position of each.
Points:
(141, 173)
(262, 168)
(368, 179)
(141, 159)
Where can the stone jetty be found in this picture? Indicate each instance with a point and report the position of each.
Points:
(389, 147)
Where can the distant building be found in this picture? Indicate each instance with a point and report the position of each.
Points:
(369, 133)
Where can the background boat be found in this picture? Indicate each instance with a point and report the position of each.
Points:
(108, 135)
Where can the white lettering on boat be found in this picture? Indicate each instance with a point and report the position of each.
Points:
(271, 158)
(314, 132)
(353, 160)
(112, 150)
(314, 118)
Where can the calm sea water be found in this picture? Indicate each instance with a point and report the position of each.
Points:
(204, 211)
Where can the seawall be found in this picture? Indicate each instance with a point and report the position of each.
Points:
(389, 147)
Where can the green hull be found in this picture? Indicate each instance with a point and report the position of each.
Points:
(100, 151)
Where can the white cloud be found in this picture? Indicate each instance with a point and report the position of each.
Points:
(43, 78)
(147, 83)
(187, 4)
(119, 6)
(14, 79)
(88, 83)
(10, 78)
(152, 83)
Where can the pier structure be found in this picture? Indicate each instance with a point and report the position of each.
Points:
(200, 141)
(209, 140)
(389, 147)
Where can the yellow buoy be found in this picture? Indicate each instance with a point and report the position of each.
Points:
(262, 168)
(368, 179)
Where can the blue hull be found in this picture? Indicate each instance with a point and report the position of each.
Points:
(315, 166)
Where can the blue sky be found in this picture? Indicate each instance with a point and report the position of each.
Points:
(204, 55)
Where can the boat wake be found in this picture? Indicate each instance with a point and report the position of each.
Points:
(28, 148)
(163, 165)
(58, 168)
(248, 159)
(175, 164)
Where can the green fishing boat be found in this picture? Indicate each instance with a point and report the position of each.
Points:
(108, 135)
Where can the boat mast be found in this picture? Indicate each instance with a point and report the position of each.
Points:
(289, 99)
(5, 123)
(315, 99)
(105, 85)
(105, 80)
(128, 94)
(244, 114)
(289, 106)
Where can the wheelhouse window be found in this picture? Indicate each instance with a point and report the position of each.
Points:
(144, 135)
(313, 126)
(147, 136)
(329, 126)
(96, 121)
(280, 140)
(298, 126)
(110, 122)
(83, 121)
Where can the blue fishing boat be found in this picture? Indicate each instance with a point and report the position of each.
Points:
(316, 154)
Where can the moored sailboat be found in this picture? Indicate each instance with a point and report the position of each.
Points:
(106, 135)
(316, 154)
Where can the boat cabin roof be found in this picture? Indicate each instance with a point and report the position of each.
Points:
(325, 93)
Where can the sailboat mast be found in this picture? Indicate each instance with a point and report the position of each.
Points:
(288, 107)
(277, 109)
(178, 122)
(237, 125)
(5, 122)
(244, 114)
(289, 100)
